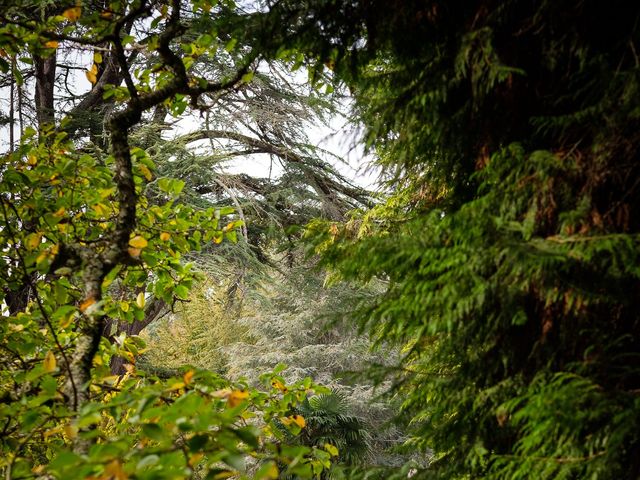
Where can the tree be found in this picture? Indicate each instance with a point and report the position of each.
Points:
(263, 114)
(509, 136)
(285, 315)
(82, 247)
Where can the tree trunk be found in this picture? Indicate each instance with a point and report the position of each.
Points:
(45, 74)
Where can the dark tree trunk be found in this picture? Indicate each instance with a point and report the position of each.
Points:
(152, 311)
(45, 74)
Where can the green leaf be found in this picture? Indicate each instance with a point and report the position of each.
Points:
(182, 292)
(267, 471)
(247, 77)
(147, 461)
(153, 431)
(231, 44)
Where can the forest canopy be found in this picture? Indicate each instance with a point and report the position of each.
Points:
(487, 291)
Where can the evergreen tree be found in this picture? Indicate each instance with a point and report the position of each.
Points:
(509, 134)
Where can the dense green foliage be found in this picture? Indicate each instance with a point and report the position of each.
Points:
(510, 133)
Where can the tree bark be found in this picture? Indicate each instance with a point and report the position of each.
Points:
(45, 74)
(152, 311)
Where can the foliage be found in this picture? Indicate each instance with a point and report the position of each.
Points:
(328, 421)
(196, 333)
(288, 317)
(194, 426)
(84, 250)
(510, 243)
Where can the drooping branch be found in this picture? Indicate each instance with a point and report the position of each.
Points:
(326, 187)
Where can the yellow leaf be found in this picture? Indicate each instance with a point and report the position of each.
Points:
(286, 421)
(92, 75)
(38, 469)
(223, 393)
(71, 431)
(84, 306)
(49, 362)
(224, 474)
(97, 57)
(275, 383)
(53, 431)
(124, 306)
(331, 449)
(146, 172)
(100, 209)
(140, 300)
(51, 44)
(236, 397)
(43, 257)
(72, 14)
(60, 212)
(271, 473)
(176, 386)
(134, 252)
(67, 321)
(188, 376)
(33, 240)
(164, 236)
(299, 420)
(111, 379)
(32, 160)
(195, 458)
(115, 471)
(106, 15)
(138, 242)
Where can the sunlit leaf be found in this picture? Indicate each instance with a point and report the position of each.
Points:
(33, 240)
(331, 449)
(138, 242)
(236, 397)
(92, 74)
(72, 14)
(188, 376)
(86, 304)
(140, 300)
(49, 363)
